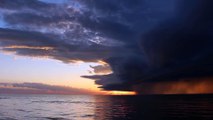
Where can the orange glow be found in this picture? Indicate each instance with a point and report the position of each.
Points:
(120, 93)
(184, 86)
(30, 47)
(102, 62)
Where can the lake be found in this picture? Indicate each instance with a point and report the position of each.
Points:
(86, 107)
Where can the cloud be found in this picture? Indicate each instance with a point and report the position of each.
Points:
(59, 49)
(141, 41)
(39, 88)
(101, 69)
(177, 47)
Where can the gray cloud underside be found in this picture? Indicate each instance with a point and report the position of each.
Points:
(141, 40)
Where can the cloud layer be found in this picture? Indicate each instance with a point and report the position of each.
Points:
(141, 41)
(39, 88)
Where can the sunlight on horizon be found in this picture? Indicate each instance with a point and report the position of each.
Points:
(120, 93)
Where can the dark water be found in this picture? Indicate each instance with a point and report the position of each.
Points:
(77, 107)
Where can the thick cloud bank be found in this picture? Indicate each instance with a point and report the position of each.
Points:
(141, 41)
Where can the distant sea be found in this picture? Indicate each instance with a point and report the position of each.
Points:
(83, 107)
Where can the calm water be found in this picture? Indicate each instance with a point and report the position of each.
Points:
(77, 107)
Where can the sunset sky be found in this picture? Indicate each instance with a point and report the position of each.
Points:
(47, 71)
(80, 46)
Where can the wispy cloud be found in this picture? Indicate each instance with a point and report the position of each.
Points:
(39, 88)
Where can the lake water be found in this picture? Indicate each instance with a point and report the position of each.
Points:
(82, 107)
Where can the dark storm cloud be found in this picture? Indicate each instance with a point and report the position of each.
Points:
(142, 40)
(178, 47)
(18, 37)
(125, 19)
(182, 46)
(48, 45)
(20, 4)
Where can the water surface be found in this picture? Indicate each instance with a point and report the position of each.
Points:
(83, 107)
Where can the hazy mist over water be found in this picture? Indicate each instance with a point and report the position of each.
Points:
(82, 107)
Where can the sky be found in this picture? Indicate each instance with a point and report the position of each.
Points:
(21, 69)
(144, 46)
